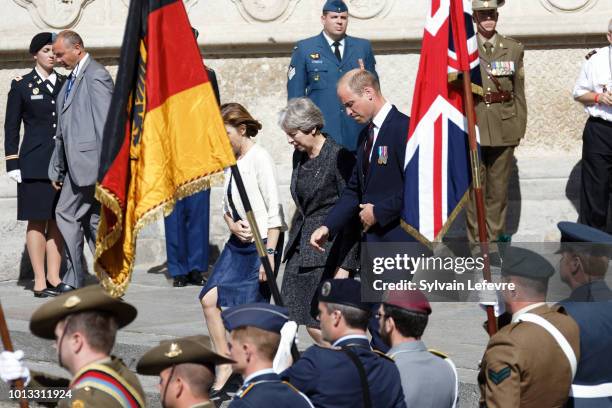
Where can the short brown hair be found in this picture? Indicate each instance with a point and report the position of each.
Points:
(72, 37)
(99, 328)
(199, 377)
(235, 115)
(357, 79)
(266, 342)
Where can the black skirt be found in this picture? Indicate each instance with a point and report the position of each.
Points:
(36, 200)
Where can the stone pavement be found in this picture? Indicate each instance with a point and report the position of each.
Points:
(166, 312)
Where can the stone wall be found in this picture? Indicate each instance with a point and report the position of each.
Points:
(248, 43)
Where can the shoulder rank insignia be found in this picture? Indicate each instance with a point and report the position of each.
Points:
(291, 72)
(590, 54)
(438, 353)
(315, 56)
(498, 376)
(18, 78)
(383, 355)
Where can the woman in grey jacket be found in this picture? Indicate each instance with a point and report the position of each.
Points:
(321, 169)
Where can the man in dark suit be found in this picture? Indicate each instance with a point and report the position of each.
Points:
(349, 374)
(82, 106)
(187, 227)
(375, 190)
(318, 62)
(584, 263)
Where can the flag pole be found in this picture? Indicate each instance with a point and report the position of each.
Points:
(261, 248)
(8, 346)
(477, 187)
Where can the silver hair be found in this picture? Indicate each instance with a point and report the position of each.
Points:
(300, 114)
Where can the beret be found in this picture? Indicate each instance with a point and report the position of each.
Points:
(410, 300)
(523, 262)
(40, 40)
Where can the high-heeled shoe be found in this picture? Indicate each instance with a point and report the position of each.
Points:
(40, 293)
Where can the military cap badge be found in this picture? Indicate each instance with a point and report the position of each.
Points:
(174, 351)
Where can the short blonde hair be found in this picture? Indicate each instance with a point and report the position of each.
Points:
(266, 342)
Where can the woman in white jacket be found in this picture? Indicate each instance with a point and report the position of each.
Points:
(238, 276)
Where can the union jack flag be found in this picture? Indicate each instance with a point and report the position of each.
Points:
(437, 165)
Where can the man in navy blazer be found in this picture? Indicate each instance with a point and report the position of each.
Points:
(318, 62)
(586, 253)
(375, 190)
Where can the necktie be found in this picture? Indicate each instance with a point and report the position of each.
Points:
(488, 47)
(69, 86)
(336, 46)
(368, 149)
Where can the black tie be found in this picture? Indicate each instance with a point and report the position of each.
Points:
(368, 149)
(69, 86)
(336, 46)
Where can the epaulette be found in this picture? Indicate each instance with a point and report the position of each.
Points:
(381, 354)
(438, 353)
(18, 78)
(590, 54)
(510, 39)
(246, 390)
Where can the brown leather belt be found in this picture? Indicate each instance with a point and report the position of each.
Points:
(497, 97)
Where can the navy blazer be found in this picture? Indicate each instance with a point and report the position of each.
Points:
(31, 102)
(268, 390)
(314, 72)
(591, 307)
(383, 186)
(331, 380)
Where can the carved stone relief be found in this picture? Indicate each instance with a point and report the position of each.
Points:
(54, 13)
(265, 10)
(567, 6)
(188, 3)
(366, 9)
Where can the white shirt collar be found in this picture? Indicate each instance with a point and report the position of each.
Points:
(382, 115)
(350, 336)
(258, 373)
(81, 63)
(331, 42)
(524, 310)
(51, 78)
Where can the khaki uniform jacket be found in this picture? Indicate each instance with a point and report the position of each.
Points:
(524, 366)
(84, 394)
(502, 124)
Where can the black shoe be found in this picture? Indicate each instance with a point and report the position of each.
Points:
(41, 293)
(59, 289)
(180, 281)
(196, 278)
(50, 286)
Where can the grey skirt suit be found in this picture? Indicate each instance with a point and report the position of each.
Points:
(316, 185)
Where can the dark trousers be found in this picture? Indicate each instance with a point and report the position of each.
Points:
(187, 235)
(596, 173)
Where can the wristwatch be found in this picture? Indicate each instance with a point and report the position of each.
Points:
(271, 251)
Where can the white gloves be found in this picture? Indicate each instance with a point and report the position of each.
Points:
(283, 359)
(15, 175)
(11, 367)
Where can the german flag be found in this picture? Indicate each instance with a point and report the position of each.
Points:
(164, 138)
